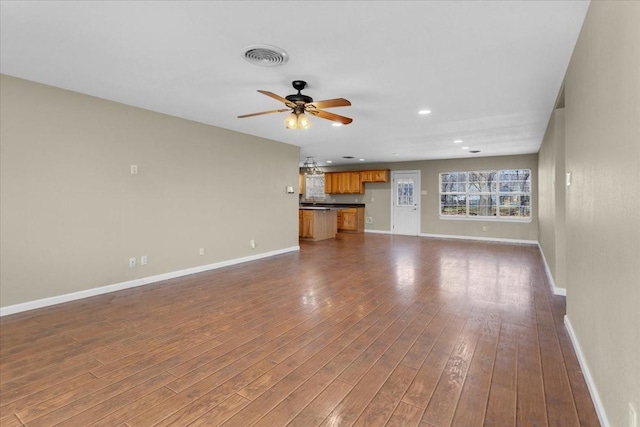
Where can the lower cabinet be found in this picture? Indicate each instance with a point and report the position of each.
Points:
(351, 219)
(317, 224)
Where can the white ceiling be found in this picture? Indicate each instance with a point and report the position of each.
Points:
(489, 71)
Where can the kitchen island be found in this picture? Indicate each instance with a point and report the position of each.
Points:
(350, 216)
(317, 223)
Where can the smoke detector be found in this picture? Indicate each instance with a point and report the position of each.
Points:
(265, 55)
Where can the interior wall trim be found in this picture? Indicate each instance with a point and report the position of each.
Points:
(377, 231)
(591, 385)
(484, 239)
(46, 302)
(552, 283)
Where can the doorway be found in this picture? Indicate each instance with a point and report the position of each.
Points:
(405, 205)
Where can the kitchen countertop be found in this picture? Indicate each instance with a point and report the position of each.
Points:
(319, 208)
(306, 205)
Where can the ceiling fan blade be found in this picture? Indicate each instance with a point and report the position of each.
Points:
(285, 101)
(330, 116)
(264, 112)
(329, 103)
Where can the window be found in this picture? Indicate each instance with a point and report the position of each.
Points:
(314, 187)
(404, 192)
(497, 194)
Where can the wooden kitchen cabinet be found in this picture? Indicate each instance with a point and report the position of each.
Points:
(317, 224)
(306, 224)
(351, 219)
(342, 183)
(352, 182)
(328, 180)
(379, 175)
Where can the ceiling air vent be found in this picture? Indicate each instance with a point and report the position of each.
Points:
(265, 55)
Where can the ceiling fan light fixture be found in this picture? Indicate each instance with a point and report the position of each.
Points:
(303, 121)
(297, 121)
(291, 121)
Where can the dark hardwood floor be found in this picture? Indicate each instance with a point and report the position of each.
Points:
(365, 330)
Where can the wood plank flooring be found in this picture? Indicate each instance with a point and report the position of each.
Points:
(363, 330)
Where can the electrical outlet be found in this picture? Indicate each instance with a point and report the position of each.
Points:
(201, 251)
(484, 228)
(369, 220)
(132, 262)
(253, 244)
(134, 169)
(143, 260)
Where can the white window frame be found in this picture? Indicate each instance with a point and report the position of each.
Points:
(497, 194)
(314, 188)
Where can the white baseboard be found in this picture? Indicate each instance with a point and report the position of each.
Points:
(556, 291)
(45, 302)
(591, 385)
(377, 231)
(484, 239)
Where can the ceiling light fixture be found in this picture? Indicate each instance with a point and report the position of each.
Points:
(424, 112)
(310, 167)
(465, 148)
(297, 120)
(362, 160)
(336, 124)
(329, 161)
(457, 141)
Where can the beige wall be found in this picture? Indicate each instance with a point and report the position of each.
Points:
(72, 214)
(602, 148)
(551, 198)
(380, 208)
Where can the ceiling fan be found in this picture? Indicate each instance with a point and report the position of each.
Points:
(300, 104)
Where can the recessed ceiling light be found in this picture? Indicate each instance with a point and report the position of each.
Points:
(423, 112)
(457, 141)
(336, 124)
(362, 160)
(474, 151)
(347, 157)
(329, 161)
(465, 148)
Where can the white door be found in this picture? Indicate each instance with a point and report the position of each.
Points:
(405, 211)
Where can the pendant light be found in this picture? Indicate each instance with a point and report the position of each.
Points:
(310, 167)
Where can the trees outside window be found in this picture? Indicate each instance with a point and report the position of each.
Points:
(494, 194)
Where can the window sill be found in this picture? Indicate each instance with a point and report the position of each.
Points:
(486, 219)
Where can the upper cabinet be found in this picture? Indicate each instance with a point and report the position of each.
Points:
(352, 182)
(342, 183)
(380, 175)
